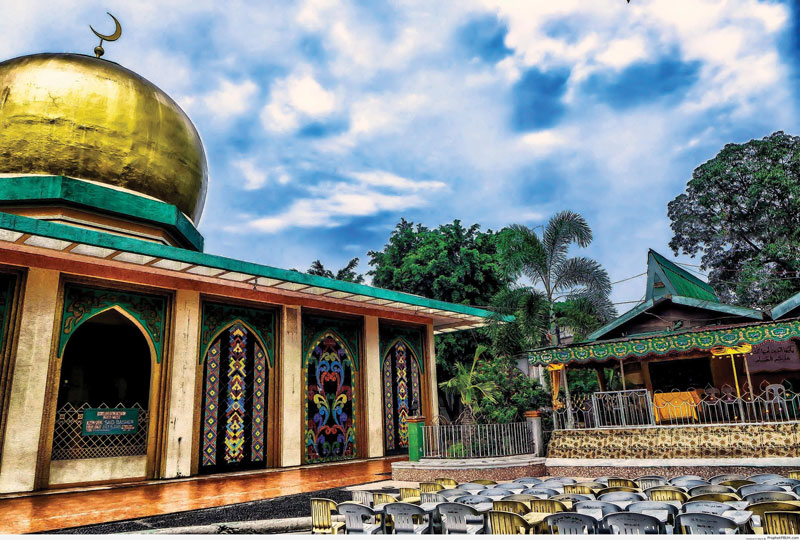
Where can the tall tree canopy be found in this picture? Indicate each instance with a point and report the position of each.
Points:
(741, 210)
(348, 273)
(450, 263)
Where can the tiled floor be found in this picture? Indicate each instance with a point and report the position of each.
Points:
(46, 512)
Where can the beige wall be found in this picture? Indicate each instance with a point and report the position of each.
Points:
(371, 364)
(291, 404)
(74, 471)
(29, 383)
(430, 369)
(185, 358)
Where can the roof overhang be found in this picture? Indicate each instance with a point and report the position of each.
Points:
(697, 339)
(55, 237)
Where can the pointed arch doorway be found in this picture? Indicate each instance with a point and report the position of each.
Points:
(235, 432)
(400, 373)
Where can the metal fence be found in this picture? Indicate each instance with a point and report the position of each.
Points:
(711, 406)
(477, 440)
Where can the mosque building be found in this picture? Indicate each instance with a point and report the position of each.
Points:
(126, 352)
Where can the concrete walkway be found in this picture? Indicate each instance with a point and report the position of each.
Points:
(49, 511)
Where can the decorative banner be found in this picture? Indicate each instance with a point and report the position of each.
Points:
(110, 421)
(771, 356)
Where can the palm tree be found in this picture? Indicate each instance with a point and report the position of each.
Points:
(554, 277)
(464, 384)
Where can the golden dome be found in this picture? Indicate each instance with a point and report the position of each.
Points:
(78, 116)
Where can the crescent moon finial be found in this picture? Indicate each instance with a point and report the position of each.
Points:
(98, 51)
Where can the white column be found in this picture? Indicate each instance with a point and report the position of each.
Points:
(291, 386)
(185, 360)
(371, 364)
(29, 383)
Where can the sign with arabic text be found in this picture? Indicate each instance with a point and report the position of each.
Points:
(110, 421)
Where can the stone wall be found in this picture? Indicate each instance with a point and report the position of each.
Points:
(679, 442)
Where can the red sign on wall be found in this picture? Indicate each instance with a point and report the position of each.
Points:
(771, 356)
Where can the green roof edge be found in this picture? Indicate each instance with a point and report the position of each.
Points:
(95, 196)
(785, 307)
(625, 317)
(682, 273)
(100, 239)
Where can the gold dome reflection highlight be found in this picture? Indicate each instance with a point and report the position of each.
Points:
(78, 116)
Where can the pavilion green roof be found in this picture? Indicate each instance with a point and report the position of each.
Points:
(676, 281)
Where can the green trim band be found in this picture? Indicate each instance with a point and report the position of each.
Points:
(89, 195)
(85, 236)
(599, 352)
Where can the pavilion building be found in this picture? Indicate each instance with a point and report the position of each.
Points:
(126, 352)
(697, 380)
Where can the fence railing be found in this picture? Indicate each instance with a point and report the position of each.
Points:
(640, 408)
(477, 440)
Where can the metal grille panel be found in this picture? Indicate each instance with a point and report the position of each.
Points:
(68, 443)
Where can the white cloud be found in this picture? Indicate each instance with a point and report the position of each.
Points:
(295, 98)
(622, 52)
(230, 99)
(331, 204)
(257, 177)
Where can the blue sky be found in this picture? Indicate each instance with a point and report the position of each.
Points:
(326, 121)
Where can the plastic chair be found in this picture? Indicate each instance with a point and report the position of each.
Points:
(578, 489)
(362, 497)
(788, 482)
(409, 495)
(718, 479)
(518, 507)
(564, 479)
(663, 494)
(711, 488)
(715, 497)
(571, 497)
(572, 523)
(507, 523)
(663, 511)
(696, 523)
(736, 484)
(592, 485)
(761, 478)
(689, 483)
(760, 509)
(430, 487)
(596, 509)
(632, 523)
(474, 499)
(705, 507)
(796, 490)
(622, 482)
(471, 486)
(432, 498)
(456, 519)
(484, 482)
(545, 492)
(511, 485)
(781, 523)
(321, 521)
(602, 480)
(453, 492)
(622, 496)
(647, 482)
(382, 498)
(404, 515)
(547, 506)
(359, 519)
(528, 480)
(496, 491)
(756, 488)
(685, 477)
(793, 474)
(446, 482)
(615, 489)
(770, 496)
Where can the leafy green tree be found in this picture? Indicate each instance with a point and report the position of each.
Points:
(517, 392)
(348, 273)
(469, 388)
(741, 210)
(450, 263)
(553, 276)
